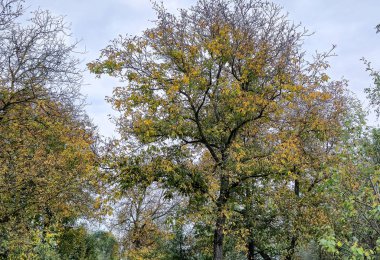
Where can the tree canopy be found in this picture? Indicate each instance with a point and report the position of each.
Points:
(231, 142)
(220, 97)
(47, 156)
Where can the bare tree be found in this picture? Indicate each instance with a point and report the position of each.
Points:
(141, 214)
(36, 58)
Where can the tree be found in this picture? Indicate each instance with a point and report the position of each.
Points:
(354, 186)
(141, 215)
(47, 156)
(78, 243)
(354, 231)
(206, 96)
(37, 62)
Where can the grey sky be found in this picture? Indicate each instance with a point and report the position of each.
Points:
(347, 23)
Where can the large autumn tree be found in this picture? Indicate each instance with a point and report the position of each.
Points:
(47, 156)
(211, 102)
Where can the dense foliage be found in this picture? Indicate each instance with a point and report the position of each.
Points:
(48, 163)
(231, 144)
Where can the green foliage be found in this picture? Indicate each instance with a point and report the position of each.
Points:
(73, 244)
(77, 243)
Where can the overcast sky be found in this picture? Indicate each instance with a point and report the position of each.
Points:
(347, 23)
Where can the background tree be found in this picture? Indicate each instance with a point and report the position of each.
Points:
(354, 186)
(78, 243)
(141, 219)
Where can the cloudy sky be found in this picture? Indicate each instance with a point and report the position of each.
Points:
(347, 23)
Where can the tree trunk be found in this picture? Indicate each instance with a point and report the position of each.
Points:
(291, 249)
(293, 241)
(264, 255)
(248, 213)
(251, 249)
(221, 218)
(219, 237)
